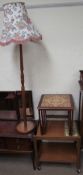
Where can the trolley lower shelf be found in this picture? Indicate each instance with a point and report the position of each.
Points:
(56, 145)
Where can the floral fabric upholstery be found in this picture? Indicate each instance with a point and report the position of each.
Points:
(17, 25)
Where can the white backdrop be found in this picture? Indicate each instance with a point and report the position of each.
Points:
(51, 65)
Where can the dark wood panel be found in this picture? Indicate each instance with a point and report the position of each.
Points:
(12, 141)
(12, 101)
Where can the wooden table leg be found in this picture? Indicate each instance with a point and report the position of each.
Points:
(42, 120)
(70, 121)
(36, 154)
(78, 156)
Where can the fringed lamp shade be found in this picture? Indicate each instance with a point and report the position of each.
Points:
(19, 29)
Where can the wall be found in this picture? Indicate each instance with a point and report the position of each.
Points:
(51, 65)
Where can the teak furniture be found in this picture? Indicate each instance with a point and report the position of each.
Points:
(55, 102)
(12, 141)
(56, 144)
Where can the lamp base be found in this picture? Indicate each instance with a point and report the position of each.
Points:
(24, 130)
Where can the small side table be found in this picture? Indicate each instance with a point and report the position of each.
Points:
(57, 102)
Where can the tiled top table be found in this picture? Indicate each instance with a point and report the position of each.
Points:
(58, 102)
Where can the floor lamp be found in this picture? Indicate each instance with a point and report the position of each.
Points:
(19, 29)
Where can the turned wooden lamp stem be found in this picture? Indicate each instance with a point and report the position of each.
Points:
(24, 126)
(22, 87)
